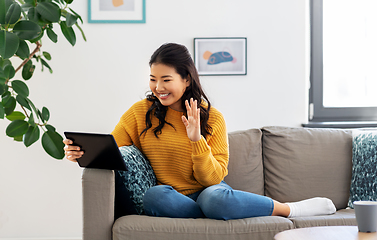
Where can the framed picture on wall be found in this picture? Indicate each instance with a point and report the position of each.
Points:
(116, 11)
(220, 56)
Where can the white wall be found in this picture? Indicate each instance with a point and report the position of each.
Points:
(96, 81)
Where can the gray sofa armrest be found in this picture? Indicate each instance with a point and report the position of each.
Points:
(98, 190)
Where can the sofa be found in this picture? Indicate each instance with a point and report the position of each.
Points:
(285, 163)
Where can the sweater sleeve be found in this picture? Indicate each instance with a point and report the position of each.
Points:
(126, 129)
(210, 158)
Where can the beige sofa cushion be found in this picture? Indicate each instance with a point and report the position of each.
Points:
(245, 161)
(137, 227)
(306, 162)
(344, 217)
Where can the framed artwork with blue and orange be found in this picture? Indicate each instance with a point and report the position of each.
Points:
(116, 11)
(221, 56)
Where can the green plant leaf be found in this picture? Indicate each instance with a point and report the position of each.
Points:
(39, 114)
(20, 88)
(53, 144)
(45, 114)
(31, 2)
(28, 70)
(27, 30)
(2, 111)
(9, 105)
(33, 15)
(50, 128)
(52, 35)
(2, 76)
(17, 128)
(9, 71)
(68, 33)
(33, 107)
(18, 138)
(71, 19)
(47, 55)
(4, 6)
(49, 11)
(4, 63)
(31, 120)
(44, 63)
(23, 50)
(23, 102)
(16, 116)
(31, 136)
(5, 95)
(8, 44)
(79, 17)
(3, 88)
(34, 40)
(26, 6)
(13, 14)
(68, 1)
(7, 100)
(82, 32)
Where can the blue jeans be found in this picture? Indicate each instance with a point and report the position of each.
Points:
(217, 202)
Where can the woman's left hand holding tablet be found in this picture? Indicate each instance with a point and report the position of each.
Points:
(72, 152)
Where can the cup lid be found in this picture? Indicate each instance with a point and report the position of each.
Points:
(365, 203)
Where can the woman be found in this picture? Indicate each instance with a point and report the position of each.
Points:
(185, 140)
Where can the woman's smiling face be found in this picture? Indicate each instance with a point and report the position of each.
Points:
(168, 86)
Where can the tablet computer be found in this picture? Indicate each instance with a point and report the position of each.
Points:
(100, 150)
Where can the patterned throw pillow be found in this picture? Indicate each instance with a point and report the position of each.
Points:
(364, 167)
(131, 185)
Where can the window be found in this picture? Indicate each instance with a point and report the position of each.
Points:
(343, 61)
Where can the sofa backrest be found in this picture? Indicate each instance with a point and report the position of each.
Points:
(245, 169)
(300, 163)
(291, 164)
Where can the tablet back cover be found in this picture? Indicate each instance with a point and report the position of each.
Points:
(100, 151)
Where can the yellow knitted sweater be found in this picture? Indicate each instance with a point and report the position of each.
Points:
(186, 166)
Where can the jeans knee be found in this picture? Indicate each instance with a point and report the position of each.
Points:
(156, 192)
(212, 199)
(164, 201)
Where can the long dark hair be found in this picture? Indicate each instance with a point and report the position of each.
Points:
(177, 56)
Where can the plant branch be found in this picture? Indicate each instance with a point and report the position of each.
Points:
(27, 115)
(37, 48)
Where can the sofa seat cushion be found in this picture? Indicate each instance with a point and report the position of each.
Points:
(344, 217)
(245, 168)
(138, 227)
(301, 163)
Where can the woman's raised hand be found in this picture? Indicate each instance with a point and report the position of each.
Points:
(192, 122)
(72, 152)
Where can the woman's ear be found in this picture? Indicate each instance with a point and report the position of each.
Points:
(188, 80)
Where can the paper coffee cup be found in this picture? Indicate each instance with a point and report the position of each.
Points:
(366, 215)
